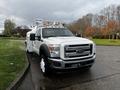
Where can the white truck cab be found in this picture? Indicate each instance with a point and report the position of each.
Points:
(59, 49)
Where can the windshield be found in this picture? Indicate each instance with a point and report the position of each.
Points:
(56, 32)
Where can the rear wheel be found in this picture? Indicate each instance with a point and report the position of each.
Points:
(44, 65)
(28, 50)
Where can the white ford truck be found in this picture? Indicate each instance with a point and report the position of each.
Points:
(59, 49)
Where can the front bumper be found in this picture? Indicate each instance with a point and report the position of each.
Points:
(71, 64)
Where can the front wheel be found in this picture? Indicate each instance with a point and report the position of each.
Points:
(44, 65)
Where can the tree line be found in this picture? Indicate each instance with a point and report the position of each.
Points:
(12, 30)
(105, 24)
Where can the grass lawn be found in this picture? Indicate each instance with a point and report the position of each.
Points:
(107, 42)
(12, 61)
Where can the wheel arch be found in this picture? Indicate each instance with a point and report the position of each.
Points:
(44, 50)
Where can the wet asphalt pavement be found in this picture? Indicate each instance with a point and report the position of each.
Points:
(104, 75)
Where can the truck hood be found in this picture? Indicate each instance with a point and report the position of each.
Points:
(67, 40)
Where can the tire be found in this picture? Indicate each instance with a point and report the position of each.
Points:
(44, 65)
(29, 52)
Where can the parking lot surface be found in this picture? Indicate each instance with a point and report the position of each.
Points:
(104, 75)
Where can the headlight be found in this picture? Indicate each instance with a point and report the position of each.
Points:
(54, 50)
(94, 46)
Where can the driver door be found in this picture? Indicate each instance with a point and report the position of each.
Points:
(37, 41)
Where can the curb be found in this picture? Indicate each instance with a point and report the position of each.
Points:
(16, 83)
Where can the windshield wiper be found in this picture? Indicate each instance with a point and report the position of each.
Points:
(50, 36)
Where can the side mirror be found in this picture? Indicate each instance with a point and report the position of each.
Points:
(32, 37)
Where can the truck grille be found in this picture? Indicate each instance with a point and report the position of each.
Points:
(72, 51)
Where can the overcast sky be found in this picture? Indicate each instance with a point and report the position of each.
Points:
(27, 11)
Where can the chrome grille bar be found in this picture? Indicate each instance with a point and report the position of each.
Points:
(72, 51)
